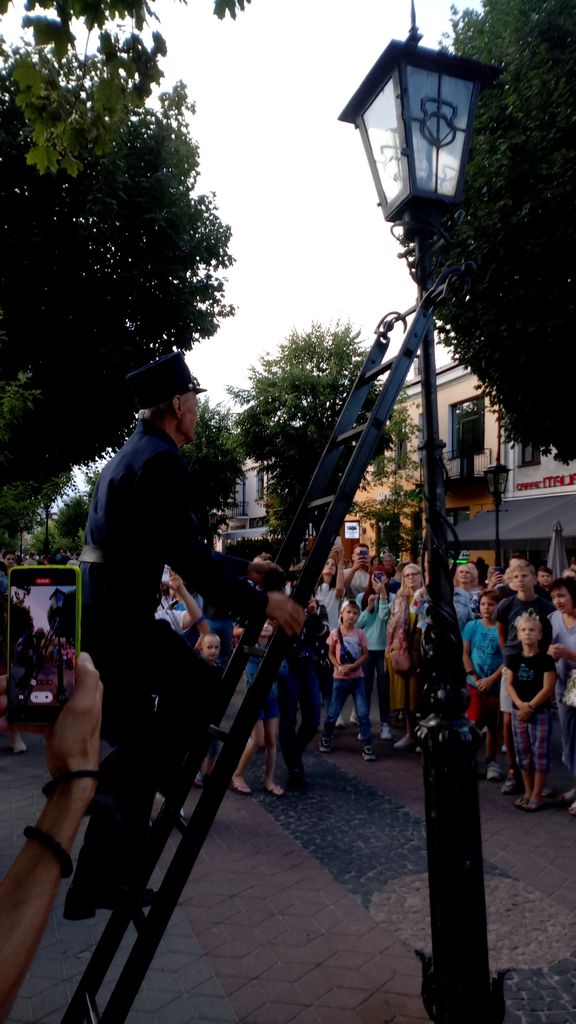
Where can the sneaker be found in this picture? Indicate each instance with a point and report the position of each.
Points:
(511, 786)
(493, 772)
(385, 731)
(354, 719)
(340, 723)
(325, 745)
(404, 744)
(19, 747)
(368, 754)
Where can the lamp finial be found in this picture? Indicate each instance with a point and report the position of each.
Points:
(414, 36)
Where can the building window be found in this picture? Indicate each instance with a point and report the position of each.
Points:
(260, 484)
(401, 453)
(529, 455)
(458, 515)
(467, 433)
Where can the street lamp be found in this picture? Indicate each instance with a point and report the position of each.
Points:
(57, 604)
(415, 111)
(497, 477)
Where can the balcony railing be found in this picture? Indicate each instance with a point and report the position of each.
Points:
(238, 511)
(467, 467)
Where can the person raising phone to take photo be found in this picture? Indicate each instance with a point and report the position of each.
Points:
(28, 890)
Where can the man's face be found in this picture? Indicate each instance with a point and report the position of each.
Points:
(9, 559)
(189, 418)
(522, 579)
(544, 579)
(361, 556)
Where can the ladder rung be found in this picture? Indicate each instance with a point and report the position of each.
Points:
(92, 1010)
(254, 652)
(215, 730)
(326, 500)
(377, 371)
(179, 824)
(138, 919)
(349, 435)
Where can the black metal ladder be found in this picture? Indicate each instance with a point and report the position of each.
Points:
(330, 494)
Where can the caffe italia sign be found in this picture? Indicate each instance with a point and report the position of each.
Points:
(546, 482)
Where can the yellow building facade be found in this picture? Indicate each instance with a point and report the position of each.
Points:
(469, 428)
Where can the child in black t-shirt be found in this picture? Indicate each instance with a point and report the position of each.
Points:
(530, 682)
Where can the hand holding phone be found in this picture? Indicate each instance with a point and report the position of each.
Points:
(43, 639)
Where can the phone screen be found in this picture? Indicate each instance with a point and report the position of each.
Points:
(43, 641)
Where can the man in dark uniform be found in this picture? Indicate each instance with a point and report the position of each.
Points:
(158, 694)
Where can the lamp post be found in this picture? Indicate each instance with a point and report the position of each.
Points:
(497, 477)
(57, 604)
(415, 111)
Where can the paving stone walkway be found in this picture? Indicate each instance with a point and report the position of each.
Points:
(307, 909)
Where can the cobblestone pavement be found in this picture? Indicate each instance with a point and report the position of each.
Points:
(308, 909)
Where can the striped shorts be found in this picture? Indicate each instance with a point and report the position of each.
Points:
(532, 741)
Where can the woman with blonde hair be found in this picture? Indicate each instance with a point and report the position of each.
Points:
(466, 578)
(403, 657)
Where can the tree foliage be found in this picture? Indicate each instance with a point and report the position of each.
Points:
(520, 201)
(99, 274)
(215, 460)
(291, 408)
(24, 505)
(74, 106)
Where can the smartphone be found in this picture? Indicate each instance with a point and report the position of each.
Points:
(44, 605)
(377, 576)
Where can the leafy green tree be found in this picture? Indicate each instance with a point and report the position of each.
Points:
(291, 408)
(99, 274)
(70, 521)
(396, 516)
(89, 66)
(24, 506)
(18, 514)
(215, 460)
(520, 202)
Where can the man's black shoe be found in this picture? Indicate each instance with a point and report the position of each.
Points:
(81, 903)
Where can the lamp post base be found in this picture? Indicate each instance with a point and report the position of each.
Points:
(456, 984)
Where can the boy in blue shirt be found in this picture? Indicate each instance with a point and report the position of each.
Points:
(483, 663)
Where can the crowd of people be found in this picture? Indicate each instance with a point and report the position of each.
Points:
(362, 625)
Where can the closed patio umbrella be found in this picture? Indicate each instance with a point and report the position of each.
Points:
(557, 560)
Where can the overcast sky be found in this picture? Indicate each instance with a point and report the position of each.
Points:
(292, 181)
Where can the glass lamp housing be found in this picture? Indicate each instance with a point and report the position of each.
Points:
(415, 112)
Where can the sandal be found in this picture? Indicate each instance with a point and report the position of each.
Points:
(522, 802)
(533, 805)
(241, 788)
(274, 790)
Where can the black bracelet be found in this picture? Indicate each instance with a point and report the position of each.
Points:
(85, 773)
(64, 859)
